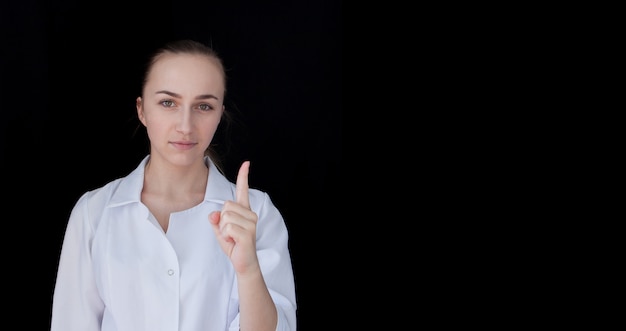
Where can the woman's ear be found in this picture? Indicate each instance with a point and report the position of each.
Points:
(140, 114)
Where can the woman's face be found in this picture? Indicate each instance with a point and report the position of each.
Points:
(182, 106)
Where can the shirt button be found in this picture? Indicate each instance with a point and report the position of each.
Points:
(170, 272)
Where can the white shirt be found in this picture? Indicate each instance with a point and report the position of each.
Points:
(119, 271)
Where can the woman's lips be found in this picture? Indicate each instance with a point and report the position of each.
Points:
(183, 145)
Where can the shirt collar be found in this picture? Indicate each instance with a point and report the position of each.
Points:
(218, 189)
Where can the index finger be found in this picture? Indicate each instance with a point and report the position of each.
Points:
(241, 191)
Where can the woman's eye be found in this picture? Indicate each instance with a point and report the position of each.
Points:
(167, 103)
(205, 107)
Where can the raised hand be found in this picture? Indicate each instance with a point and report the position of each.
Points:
(235, 225)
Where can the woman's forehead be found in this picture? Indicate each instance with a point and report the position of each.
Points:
(186, 71)
(170, 62)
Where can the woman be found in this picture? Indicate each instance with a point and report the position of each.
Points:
(174, 245)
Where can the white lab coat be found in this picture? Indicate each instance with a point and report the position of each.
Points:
(119, 271)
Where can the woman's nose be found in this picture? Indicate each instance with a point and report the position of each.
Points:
(184, 121)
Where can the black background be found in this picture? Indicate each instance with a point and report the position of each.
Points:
(70, 76)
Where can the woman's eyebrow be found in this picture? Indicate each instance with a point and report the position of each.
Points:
(206, 96)
(172, 94)
(176, 95)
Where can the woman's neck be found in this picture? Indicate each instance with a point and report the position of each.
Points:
(164, 179)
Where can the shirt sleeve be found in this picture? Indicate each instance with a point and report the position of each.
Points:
(275, 261)
(76, 303)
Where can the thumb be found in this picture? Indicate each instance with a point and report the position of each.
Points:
(214, 217)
